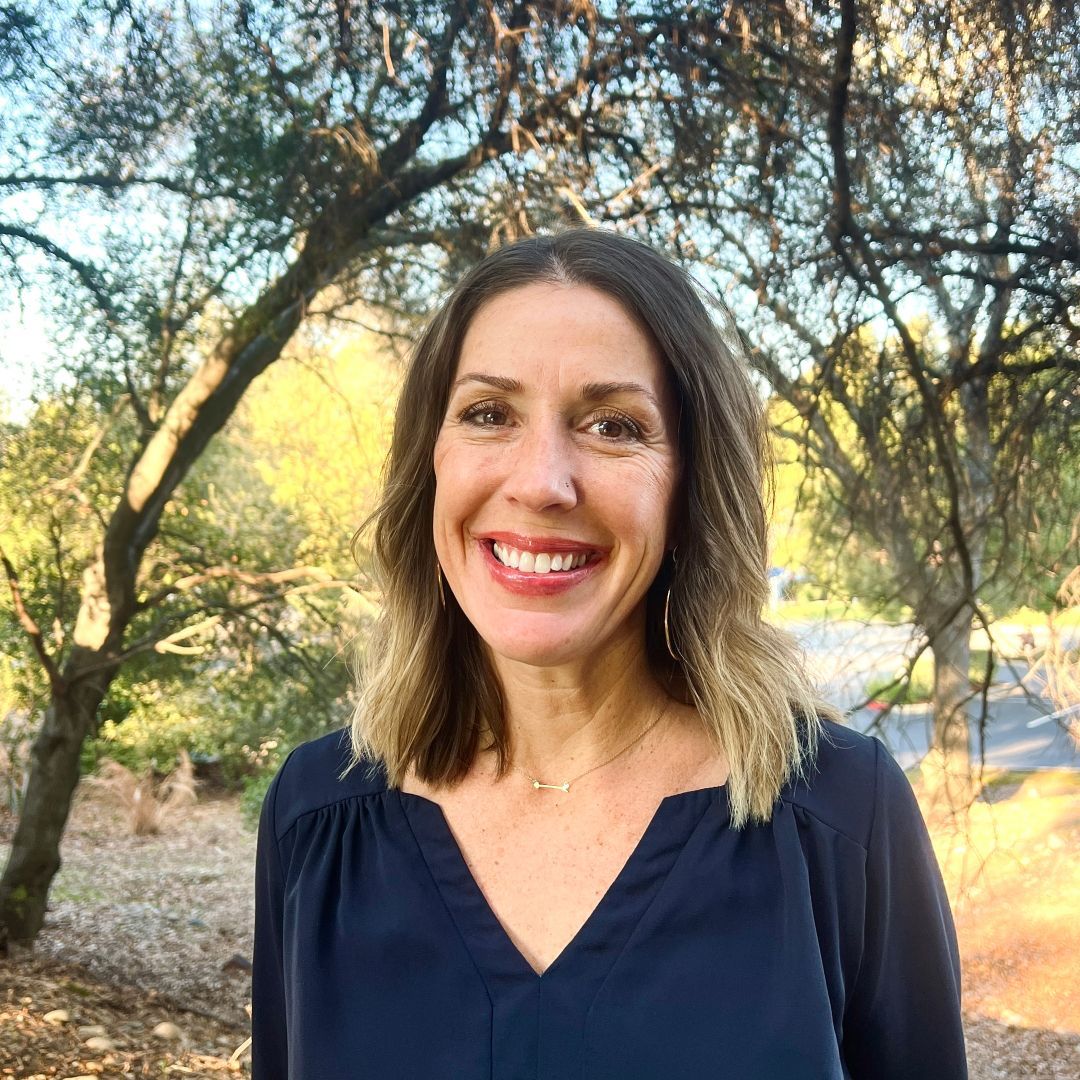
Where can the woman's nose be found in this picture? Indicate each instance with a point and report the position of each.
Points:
(541, 467)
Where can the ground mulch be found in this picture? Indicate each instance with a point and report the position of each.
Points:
(37, 1044)
(149, 931)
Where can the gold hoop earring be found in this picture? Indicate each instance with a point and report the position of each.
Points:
(667, 630)
(438, 578)
(667, 609)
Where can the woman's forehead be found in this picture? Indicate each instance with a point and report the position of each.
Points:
(543, 335)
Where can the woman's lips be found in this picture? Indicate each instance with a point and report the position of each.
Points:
(531, 584)
(552, 545)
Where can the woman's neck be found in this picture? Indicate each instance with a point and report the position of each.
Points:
(564, 720)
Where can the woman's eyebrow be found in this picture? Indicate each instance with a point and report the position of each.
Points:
(501, 382)
(593, 391)
(597, 391)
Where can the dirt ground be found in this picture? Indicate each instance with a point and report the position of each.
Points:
(1013, 876)
(151, 931)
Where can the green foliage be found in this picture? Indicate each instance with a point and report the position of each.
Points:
(59, 473)
(243, 720)
(812, 602)
(318, 431)
(251, 677)
(1026, 616)
(156, 727)
(251, 799)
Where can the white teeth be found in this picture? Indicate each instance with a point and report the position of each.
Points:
(537, 562)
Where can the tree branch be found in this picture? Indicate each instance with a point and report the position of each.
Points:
(33, 631)
(87, 274)
(245, 577)
(844, 226)
(103, 181)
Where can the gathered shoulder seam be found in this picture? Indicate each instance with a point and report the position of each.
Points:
(327, 805)
(828, 824)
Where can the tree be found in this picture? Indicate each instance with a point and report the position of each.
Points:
(893, 213)
(223, 539)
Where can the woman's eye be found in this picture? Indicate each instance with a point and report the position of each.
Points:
(481, 414)
(618, 428)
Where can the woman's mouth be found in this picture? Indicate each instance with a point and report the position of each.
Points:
(538, 562)
(538, 573)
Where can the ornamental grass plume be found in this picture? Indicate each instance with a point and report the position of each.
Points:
(149, 805)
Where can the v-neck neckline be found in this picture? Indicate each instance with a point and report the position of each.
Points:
(609, 924)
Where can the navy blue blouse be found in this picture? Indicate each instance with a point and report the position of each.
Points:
(819, 946)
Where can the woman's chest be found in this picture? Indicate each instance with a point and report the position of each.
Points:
(544, 877)
(545, 860)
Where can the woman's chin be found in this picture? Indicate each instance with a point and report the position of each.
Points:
(536, 651)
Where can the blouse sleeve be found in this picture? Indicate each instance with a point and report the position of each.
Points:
(902, 1020)
(269, 1032)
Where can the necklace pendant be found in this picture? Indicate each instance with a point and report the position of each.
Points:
(564, 786)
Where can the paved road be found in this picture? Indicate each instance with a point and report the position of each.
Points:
(1010, 742)
(846, 657)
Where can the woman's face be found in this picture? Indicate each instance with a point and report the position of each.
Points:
(558, 446)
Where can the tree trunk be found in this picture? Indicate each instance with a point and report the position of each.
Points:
(54, 774)
(197, 413)
(946, 769)
(107, 604)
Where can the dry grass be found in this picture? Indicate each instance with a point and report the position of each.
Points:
(149, 805)
(16, 741)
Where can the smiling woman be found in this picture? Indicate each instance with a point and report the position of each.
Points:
(577, 456)
(590, 817)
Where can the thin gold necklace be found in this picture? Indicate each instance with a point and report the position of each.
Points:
(565, 785)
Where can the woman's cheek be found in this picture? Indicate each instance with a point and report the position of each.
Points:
(647, 483)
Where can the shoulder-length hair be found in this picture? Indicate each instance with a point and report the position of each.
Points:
(426, 688)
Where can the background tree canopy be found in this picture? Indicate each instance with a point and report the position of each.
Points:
(192, 194)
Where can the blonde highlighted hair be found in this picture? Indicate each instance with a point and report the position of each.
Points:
(427, 690)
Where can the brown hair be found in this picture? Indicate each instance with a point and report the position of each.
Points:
(426, 687)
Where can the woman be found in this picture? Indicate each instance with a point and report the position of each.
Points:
(601, 824)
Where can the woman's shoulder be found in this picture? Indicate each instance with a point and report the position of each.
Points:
(316, 775)
(852, 776)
